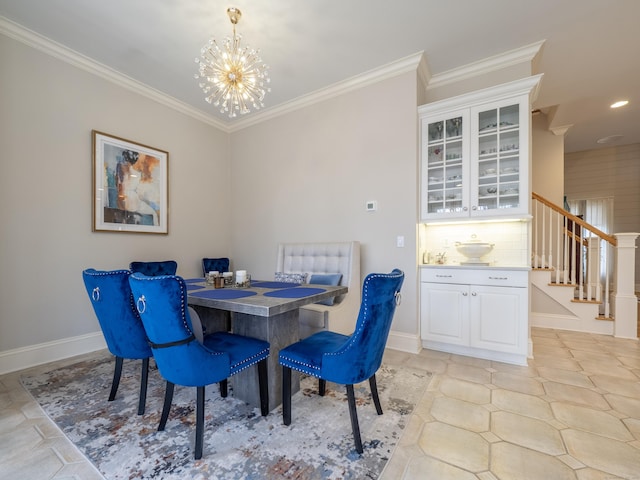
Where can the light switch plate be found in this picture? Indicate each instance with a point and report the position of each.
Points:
(371, 206)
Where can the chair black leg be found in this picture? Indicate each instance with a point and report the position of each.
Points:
(224, 389)
(354, 418)
(144, 380)
(264, 387)
(322, 387)
(168, 398)
(199, 422)
(116, 378)
(374, 393)
(286, 395)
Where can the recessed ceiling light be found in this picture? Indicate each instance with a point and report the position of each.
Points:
(619, 104)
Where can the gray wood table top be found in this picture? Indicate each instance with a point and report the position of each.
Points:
(259, 304)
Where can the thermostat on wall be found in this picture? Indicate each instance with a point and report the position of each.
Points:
(372, 206)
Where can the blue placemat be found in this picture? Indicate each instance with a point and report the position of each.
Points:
(193, 280)
(224, 293)
(297, 292)
(194, 287)
(263, 284)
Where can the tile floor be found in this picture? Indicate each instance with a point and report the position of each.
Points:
(573, 413)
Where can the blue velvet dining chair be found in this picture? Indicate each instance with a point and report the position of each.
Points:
(347, 360)
(165, 267)
(220, 265)
(112, 302)
(214, 265)
(182, 360)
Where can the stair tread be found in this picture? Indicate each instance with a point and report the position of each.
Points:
(580, 300)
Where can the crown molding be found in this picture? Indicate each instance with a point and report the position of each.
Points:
(487, 65)
(409, 63)
(561, 130)
(56, 50)
(415, 62)
(528, 85)
(59, 51)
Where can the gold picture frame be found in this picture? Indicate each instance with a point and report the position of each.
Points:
(130, 186)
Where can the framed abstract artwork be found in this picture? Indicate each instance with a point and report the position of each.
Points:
(130, 186)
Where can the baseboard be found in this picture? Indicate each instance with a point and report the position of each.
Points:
(504, 357)
(568, 322)
(404, 342)
(33, 355)
(25, 357)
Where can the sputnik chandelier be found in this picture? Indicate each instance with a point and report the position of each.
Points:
(232, 77)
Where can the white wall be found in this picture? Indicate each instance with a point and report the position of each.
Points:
(608, 172)
(48, 109)
(305, 176)
(547, 161)
(301, 176)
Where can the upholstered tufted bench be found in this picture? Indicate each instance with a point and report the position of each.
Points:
(324, 259)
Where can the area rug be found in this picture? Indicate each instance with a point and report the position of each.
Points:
(238, 442)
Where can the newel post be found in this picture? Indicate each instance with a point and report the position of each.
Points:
(626, 303)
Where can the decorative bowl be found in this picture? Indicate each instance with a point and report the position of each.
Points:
(474, 250)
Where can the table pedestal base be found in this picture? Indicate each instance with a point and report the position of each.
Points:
(212, 319)
(281, 331)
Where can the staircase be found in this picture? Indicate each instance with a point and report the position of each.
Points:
(554, 305)
(573, 269)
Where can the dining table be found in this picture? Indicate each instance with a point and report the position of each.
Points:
(267, 310)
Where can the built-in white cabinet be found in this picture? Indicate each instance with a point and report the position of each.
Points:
(445, 313)
(475, 153)
(480, 312)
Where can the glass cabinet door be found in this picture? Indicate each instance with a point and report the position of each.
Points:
(498, 159)
(443, 166)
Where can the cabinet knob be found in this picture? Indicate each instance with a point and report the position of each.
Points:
(465, 208)
(474, 294)
(464, 294)
(474, 208)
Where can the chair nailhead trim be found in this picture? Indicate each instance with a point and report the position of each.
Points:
(254, 359)
(117, 272)
(182, 301)
(298, 365)
(367, 312)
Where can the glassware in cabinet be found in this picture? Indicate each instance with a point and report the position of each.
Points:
(498, 167)
(474, 153)
(443, 167)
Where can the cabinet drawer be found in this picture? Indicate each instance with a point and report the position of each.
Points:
(491, 277)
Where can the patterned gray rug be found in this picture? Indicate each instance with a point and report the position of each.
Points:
(238, 442)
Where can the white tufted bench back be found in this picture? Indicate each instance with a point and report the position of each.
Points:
(328, 257)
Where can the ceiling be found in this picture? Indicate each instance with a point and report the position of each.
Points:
(590, 56)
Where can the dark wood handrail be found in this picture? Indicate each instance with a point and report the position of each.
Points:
(599, 233)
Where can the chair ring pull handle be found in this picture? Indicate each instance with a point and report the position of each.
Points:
(141, 304)
(95, 294)
(398, 298)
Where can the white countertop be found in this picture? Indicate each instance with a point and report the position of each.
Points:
(476, 267)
